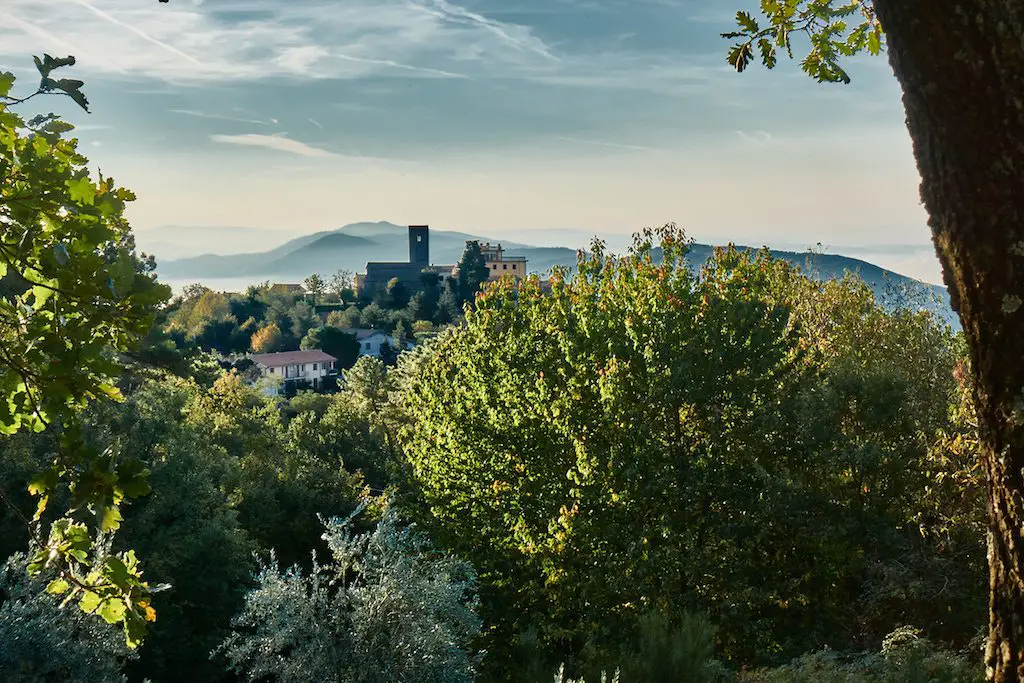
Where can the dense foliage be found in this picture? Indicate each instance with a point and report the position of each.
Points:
(745, 442)
(385, 608)
(74, 297)
(266, 318)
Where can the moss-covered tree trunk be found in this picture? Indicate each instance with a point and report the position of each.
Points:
(961, 66)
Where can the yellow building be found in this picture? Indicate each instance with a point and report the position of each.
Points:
(500, 265)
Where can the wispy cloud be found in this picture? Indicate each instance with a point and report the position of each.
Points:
(756, 137)
(398, 65)
(275, 142)
(220, 117)
(517, 36)
(606, 143)
(137, 31)
(195, 42)
(37, 32)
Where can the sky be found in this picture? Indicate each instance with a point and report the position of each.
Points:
(505, 118)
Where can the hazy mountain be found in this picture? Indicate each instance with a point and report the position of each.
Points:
(182, 241)
(350, 247)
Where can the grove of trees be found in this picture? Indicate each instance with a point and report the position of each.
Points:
(676, 474)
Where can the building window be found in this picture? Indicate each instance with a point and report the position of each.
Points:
(367, 346)
(504, 266)
(314, 367)
(419, 238)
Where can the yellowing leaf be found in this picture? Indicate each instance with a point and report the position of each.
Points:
(148, 610)
(41, 507)
(112, 610)
(112, 519)
(89, 602)
(41, 294)
(112, 392)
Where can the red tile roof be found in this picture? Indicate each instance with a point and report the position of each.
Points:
(277, 360)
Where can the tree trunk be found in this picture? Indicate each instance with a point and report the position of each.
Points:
(961, 66)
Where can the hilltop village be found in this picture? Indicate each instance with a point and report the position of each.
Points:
(411, 273)
(287, 337)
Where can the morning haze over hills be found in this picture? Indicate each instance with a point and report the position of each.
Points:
(352, 246)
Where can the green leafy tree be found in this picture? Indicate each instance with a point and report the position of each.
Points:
(336, 342)
(421, 329)
(249, 306)
(402, 333)
(375, 317)
(316, 286)
(366, 384)
(346, 435)
(76, 297)
(608, 367)
(280, 489)
(349, 318)
(423, 304)
(396, 294)
(193, 291)
(742, 441)
(188, 527)
(341, 285)
(281, 311)
(961, 77)
(304, 319)
(449, 308)
(473, 271)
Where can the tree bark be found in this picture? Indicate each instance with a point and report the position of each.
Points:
(961, 66)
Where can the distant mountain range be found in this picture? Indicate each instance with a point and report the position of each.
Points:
(350, 247)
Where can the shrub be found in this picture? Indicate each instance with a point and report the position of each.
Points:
(905, 657)
(387, 608)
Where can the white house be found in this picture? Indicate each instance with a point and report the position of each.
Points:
(370, 341)
(295, 366)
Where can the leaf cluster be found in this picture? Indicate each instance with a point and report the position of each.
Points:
(834, 29)
(75, 296)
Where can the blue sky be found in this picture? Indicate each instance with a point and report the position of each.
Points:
(498, 117)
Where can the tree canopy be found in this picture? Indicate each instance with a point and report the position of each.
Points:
(76, 299)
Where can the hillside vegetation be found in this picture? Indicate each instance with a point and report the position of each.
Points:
(650, 469)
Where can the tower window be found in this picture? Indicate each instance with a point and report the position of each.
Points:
(419, 238)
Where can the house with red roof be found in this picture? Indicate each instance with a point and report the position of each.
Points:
(298, 367)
